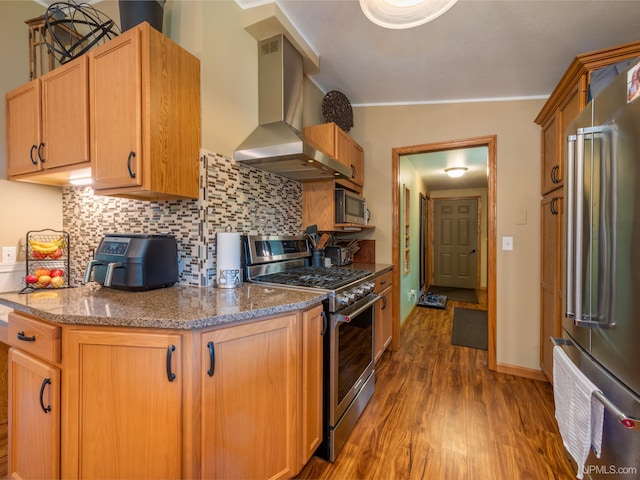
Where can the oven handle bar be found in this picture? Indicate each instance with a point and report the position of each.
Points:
(356, 309)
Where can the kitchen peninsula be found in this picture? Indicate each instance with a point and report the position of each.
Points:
(182, 382)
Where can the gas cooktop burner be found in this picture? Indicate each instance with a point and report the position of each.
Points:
(318, 277)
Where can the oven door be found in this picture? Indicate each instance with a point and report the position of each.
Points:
(351, 354)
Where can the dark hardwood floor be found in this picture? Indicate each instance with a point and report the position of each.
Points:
(439, 413)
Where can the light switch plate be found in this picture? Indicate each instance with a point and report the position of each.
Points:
(507, 243)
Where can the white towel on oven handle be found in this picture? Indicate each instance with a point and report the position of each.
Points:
(580, 416)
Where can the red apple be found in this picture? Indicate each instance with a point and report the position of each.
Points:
(57, 272)
(56, 254)
(30, 279)
(38, 255)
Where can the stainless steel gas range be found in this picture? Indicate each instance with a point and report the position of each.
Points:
(349, 310)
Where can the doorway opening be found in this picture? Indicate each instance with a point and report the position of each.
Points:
(397, 153)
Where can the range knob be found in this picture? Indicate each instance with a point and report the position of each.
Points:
(342, 300)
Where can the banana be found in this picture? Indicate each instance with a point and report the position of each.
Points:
(47, 247)
(39, 249)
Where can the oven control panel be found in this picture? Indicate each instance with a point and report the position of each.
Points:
(355, 293)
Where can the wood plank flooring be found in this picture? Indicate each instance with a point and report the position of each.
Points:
(439, 413)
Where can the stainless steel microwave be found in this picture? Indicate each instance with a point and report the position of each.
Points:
(350, 207)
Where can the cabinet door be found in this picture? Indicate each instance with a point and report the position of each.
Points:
(122, 411)
(357, 164)
(34, 417)
(343, 146)
(313, 326)
(551, 282)
(551, 153)
(249, 400)
(383, 329)
(65, 114)
(24, 129)
(115, 75)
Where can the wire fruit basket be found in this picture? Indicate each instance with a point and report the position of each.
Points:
(47, 260)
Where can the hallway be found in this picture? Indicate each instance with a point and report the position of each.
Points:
(439, 413)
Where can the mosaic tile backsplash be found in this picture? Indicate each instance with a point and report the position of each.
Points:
(248, 200)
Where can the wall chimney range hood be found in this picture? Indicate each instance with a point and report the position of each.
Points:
(277, 144)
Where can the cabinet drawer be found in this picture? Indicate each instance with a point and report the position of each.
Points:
(383, 281)
(34, 337)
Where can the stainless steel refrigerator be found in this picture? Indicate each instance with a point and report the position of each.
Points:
(602, 266)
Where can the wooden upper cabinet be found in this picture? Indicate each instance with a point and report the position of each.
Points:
(335, 142)
(550, 155)
(145, 117)
(48, 126)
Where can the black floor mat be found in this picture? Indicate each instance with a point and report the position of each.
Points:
(470, 328)
(467, 295)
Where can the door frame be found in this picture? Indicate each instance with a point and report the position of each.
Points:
(432, 236)
(491, 143)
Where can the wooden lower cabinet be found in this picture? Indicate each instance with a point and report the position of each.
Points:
(122, 404)
(34, 417)
(383, 326)
(551, 281)
(250, 386)
(243, 401)
(313, 328)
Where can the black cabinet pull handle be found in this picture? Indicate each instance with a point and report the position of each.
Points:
(384, 302)
(33, 160)
(353, 171)
(170, 375)
(24, 338)
(552, 206)
(212, 359)
(324, 324)
(40, 147)
(45, 382)
(131, 155)
(383, 282)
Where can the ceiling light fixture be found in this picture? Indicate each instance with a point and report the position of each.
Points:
(455, 172)
(399, 14)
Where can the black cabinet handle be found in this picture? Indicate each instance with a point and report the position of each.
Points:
(212, 359)
(383, 282)
(33, 160)
(45, 382)
(131, 155)
(552, 206)
(384, 302)
(353, 171)
(24, 338)
(170, 375)
(40, 147)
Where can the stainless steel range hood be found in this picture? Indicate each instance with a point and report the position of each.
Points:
(278, 145)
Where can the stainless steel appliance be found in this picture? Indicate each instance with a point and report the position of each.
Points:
(339, 256)
(348, 339)
(350, 207)
(135, 262)
(602, 274)
(277, 144)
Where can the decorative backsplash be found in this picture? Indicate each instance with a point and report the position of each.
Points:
(249, 200)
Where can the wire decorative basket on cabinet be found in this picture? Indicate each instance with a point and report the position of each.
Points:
(47, 260)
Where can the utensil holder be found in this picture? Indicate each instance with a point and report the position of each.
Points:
(317, 257)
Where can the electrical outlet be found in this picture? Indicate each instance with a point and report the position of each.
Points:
(412, 294)
(8, 254)
(507, 243)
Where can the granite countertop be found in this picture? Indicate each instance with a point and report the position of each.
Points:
(177, 307)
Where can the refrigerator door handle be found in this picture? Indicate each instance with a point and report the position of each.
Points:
(570, 229)
(624, 420)
(577, 239)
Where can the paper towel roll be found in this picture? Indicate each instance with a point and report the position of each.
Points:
(229, 274)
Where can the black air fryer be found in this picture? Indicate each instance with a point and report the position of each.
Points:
(135, 262)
